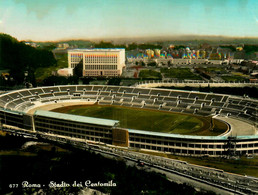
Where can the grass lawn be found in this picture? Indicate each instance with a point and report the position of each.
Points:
(62, 60)
(125, 82)
(150, 74)
(143, 119)
(180, 73)
(42, 73)
(233, 78)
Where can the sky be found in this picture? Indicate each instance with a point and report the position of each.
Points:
(50, 20)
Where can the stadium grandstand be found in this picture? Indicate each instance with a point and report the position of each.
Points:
(22, 109)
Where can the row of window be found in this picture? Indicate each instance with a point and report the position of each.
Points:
(72, 130)
(179, 144)
(184, 151)
(76, 55)
(92, 73)
(168, 139)
(101, 73)
(56, 124)
(76, 59)
(101, 67)
(12, 120)
(100, 57)
(100, 62)
(91, 138)
(73, 65)
(92, 55)
(96, 60)
(15, 123)
(110, 73)
(191, 145)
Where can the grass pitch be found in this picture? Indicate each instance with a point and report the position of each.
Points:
(150, 120)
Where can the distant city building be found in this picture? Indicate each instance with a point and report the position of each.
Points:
(63, 45)
(215, 56)
(202, 54)
(199, 61)
(150, 53)
(217, 62)
(187, 55)
(98, 62)
(157, 53)
(181, 61)
(197, 54)
(31, 44)
(236, 61)
(171, 46)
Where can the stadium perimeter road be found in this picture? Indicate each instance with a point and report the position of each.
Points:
(195, 184)
(174, 177)
(239, 127)
(49, 107)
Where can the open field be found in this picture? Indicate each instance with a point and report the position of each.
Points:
(150, 120)
(179, 73)
(150, 74)
(233, 78)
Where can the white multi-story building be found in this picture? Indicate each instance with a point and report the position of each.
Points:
(98, 62)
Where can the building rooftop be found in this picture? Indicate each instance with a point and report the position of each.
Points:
(96, 49)
(76, 118)
(11, 111)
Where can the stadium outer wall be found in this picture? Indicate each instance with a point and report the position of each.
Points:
(16, 104)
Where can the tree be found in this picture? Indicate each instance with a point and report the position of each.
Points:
(78, 69)
(152, 64)
(18, 57)
(114, 81)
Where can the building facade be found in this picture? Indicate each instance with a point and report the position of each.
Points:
(98, 62)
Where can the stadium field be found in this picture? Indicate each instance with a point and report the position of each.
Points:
(150, 120)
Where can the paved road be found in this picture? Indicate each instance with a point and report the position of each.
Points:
(174, 177)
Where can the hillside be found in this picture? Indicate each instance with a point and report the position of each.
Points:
(17, 57)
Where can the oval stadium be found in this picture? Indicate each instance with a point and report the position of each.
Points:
(195, 130)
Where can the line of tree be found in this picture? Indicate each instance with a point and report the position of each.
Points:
(131, 46)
